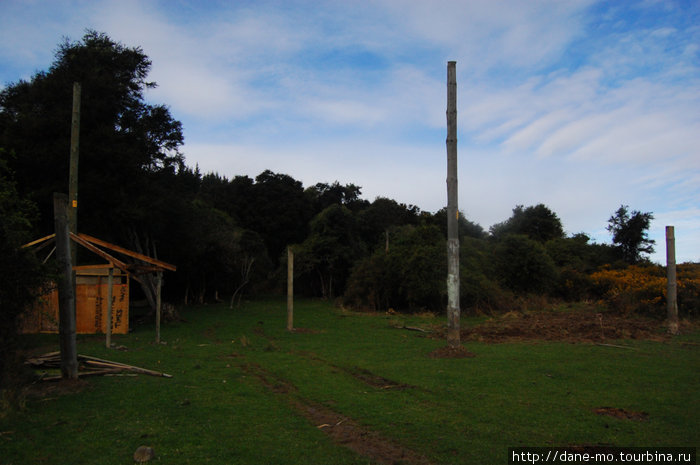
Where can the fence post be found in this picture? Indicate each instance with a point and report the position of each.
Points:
(66, 290)
(290, 289)
(671, 287)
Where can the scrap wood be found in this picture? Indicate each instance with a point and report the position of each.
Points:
(415, 328)
(96, 366)
(617, 346)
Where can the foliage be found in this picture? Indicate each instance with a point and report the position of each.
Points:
(465, 228)
(629, 231)
(122, 138)
(642, 288)
(327, 254)
(21, 275)
(538, 222)
(411, 276)
(480, 291)
(523, 265)
(229, 234)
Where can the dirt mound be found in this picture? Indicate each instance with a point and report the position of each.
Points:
(571, 325)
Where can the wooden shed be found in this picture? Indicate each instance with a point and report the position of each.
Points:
(92, 290)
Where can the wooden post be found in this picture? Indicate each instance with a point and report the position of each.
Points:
(671, 288)
(110, 283)
(73, 170)
(66, 290)
(453, 311)
(290, 289)
(159, 282)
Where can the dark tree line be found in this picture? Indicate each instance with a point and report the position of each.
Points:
(228, 235)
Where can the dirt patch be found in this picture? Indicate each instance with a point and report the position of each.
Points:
(580, 325)
(341, 429)
(451, 352)
(373, 380)
(268, 379)
(361, 374)
(622, 413)
(348, 433)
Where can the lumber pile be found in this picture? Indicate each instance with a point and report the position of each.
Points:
(88, 366)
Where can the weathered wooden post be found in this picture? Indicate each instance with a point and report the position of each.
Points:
(671, 288)
(159, 285)
(290, 289)
(110, 283)
(453, 337)
(66, 290)
(73, 170)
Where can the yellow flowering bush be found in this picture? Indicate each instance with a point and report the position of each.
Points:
(642, 288)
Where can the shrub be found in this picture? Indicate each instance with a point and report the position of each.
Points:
(642, 288)
(523, 265)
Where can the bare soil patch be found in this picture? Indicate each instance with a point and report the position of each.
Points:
(622, 413)
(342, 429)
(571, 325)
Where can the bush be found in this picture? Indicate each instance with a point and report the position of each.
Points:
(410, 277)
(523, 265)
(642, 289)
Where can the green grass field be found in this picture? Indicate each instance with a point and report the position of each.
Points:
(245, 391)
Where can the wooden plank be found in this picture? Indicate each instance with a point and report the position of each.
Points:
(38, 241)
(130, 253)
(118, 263)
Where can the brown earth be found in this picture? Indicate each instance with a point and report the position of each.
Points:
(622, 413)
(342, 429)
(570, 325)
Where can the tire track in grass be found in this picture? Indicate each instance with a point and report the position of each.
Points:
(342, 429)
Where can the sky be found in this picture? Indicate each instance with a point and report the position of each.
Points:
(581, 105)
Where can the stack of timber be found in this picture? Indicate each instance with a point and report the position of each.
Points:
(88, 366)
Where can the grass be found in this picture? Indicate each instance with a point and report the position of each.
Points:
(236, 373)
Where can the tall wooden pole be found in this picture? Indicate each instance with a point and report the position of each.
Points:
(453, 337)
(159, 285)
(671, 288)
(66, 290)
(110, 284)
(290, 289)
(73, 174)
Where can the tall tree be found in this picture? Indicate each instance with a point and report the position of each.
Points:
(538, 222)
(123, 139)
(630, 233)
(21, 275)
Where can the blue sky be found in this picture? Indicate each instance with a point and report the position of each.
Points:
(581, 105)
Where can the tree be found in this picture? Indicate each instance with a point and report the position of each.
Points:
(21, 276)
(278, 210)
(410, 276)
(324, 195)
(465, 227)
(537, 222)
(629, 231)
(523, 265)
(383, 215)
(330, 249)
(123, 140)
